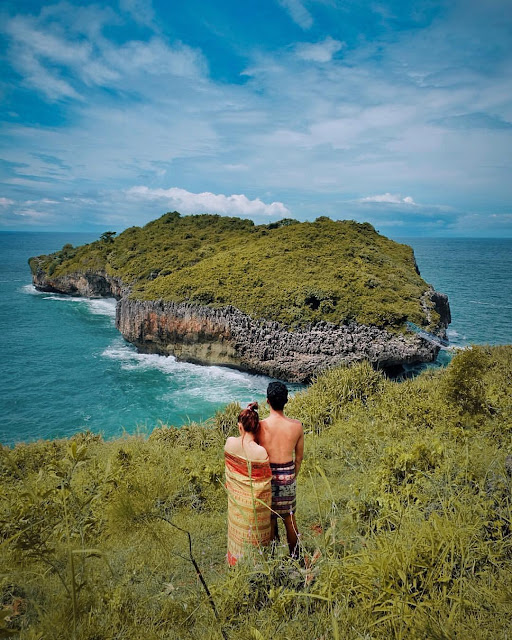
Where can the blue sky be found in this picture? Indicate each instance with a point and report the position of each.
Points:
(397, 113)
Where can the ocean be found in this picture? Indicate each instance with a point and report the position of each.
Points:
(476, 274)
(65, 368)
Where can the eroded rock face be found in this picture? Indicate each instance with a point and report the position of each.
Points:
(229, 337)
(442, 306)
(89, 285)
(226, 336)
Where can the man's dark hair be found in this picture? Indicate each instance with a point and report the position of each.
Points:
(277, 395)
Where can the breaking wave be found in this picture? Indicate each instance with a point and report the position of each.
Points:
(96, 306)
(190, 381)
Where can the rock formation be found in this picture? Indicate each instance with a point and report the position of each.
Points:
(89, 284)
(226, 336)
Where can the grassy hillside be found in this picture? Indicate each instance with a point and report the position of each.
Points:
(291, 272)
(404, 508)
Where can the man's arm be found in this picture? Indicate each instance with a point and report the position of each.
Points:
(299, 451)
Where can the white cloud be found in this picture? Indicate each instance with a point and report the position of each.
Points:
(5, 202)
(157, 58)
(34, 215)
(187, 202)
(35, 75)
(56, 61)
(389, 198)
(43, 201)
(319, 51)
(126, 144)
(140, 10)
(298, 13)
(26, 32)
(236, 167)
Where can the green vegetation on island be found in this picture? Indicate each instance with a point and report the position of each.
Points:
(295, 273)
(404, 506)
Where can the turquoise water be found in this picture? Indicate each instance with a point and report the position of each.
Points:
(65, 368)
(476, 274)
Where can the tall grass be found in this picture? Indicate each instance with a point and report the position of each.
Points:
(404, 509)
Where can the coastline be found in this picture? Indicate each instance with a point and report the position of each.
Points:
(228, 337)
(378, 454)
(113, 389)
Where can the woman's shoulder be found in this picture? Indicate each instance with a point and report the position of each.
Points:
(254, 452)
(230, 444)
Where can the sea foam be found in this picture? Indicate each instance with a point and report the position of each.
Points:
(211, 383)
(96, 306)
(30, 290)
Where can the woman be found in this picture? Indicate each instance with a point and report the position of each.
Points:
(248, 478)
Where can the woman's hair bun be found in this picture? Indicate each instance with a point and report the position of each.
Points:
(249, 418)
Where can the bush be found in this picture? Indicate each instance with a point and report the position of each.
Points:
(464, 384)
(403, 510)
(324, 402)
(353, 273)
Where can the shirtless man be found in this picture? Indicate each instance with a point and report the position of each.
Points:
(283, 438)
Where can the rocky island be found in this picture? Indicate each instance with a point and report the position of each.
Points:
(287, 299)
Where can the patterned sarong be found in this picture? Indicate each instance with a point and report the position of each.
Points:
(249, 498)
(283, 489)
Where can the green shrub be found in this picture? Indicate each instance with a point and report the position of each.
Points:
(463, 383)
(325, 401)
(403, 509)
(353, 273)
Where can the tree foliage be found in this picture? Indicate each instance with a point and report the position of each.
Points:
(107, 237)
(292, 272)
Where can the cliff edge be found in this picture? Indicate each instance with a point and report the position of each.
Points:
(287, 300)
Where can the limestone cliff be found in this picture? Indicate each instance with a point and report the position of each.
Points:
(88, 284)
(229, 337)
(226, 336)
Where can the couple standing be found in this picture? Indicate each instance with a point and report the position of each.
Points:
(261, 468)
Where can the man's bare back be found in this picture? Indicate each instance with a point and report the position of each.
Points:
(283, 439)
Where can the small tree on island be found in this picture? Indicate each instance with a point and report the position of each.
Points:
(107, 237)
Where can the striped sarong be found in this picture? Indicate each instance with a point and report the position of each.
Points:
(249, 498)
(284, 500)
